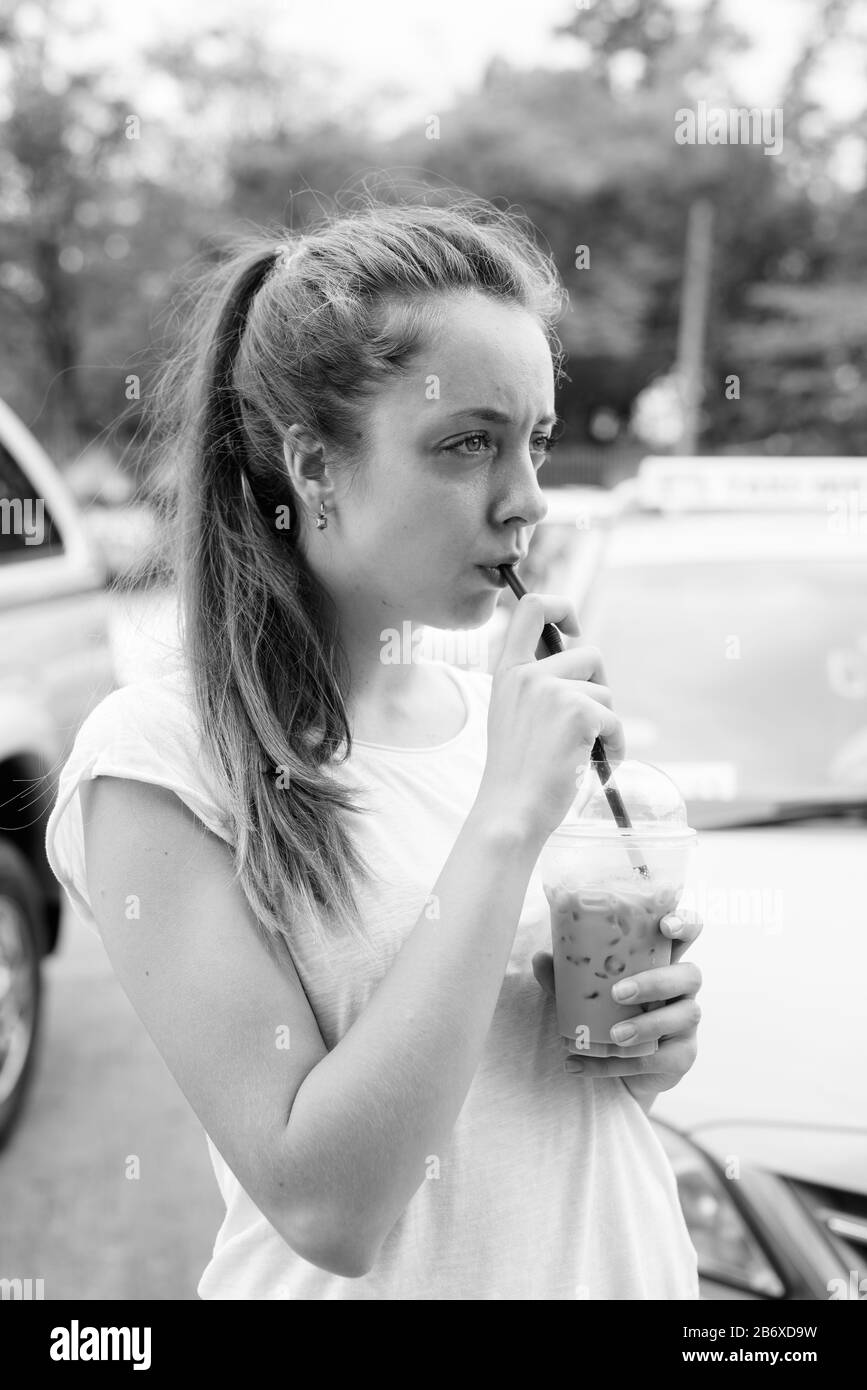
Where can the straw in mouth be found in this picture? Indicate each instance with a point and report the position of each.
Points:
(554, 643)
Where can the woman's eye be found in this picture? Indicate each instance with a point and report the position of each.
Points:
(542, 444)
(467, 440)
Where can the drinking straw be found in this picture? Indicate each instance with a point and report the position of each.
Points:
(554, 643)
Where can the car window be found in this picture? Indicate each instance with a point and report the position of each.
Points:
(550, 556)
(755, 667)
(27, 528)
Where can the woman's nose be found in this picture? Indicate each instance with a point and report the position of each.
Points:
(524, 501)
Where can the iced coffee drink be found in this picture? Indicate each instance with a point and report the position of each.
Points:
(600, 936)
(608, 891)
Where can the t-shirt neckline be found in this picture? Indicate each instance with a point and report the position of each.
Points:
(436, 747)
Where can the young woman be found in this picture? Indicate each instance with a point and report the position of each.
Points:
(312, 864)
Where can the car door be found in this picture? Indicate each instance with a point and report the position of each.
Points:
(55, 658)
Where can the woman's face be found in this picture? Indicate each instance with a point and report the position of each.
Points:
(443, 487)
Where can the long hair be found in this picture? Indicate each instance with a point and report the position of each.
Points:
(299, 329)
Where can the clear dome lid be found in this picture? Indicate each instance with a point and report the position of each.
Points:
(651, 799)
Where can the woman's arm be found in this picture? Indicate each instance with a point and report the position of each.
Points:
(370, 1114)
(331, 1146)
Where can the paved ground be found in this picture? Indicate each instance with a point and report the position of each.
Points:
(102, 1093)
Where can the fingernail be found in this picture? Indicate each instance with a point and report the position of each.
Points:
(673, 925)
(623, 1032)
(627, 989)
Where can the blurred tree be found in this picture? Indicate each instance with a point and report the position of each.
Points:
(83, 235)
(611, 30)
(53, 142)
(104, 195)
(589, 155)
(595, 165)
(95, 225)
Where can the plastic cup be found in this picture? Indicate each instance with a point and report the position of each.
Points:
(605, 915)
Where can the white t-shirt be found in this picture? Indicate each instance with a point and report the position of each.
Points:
(551, 1185)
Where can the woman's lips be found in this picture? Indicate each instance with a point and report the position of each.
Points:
(494, 576)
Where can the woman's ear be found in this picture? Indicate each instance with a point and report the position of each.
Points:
(304, 454)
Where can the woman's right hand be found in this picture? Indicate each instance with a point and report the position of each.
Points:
(544, 718)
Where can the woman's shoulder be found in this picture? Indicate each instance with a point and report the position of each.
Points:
(144, 731)
(148, 730)
(157, 710)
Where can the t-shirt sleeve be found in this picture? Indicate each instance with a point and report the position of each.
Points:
(146, 732)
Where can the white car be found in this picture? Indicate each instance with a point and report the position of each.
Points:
(729, 599)
(55, 665)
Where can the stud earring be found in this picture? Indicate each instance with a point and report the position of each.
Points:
(321, 520)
